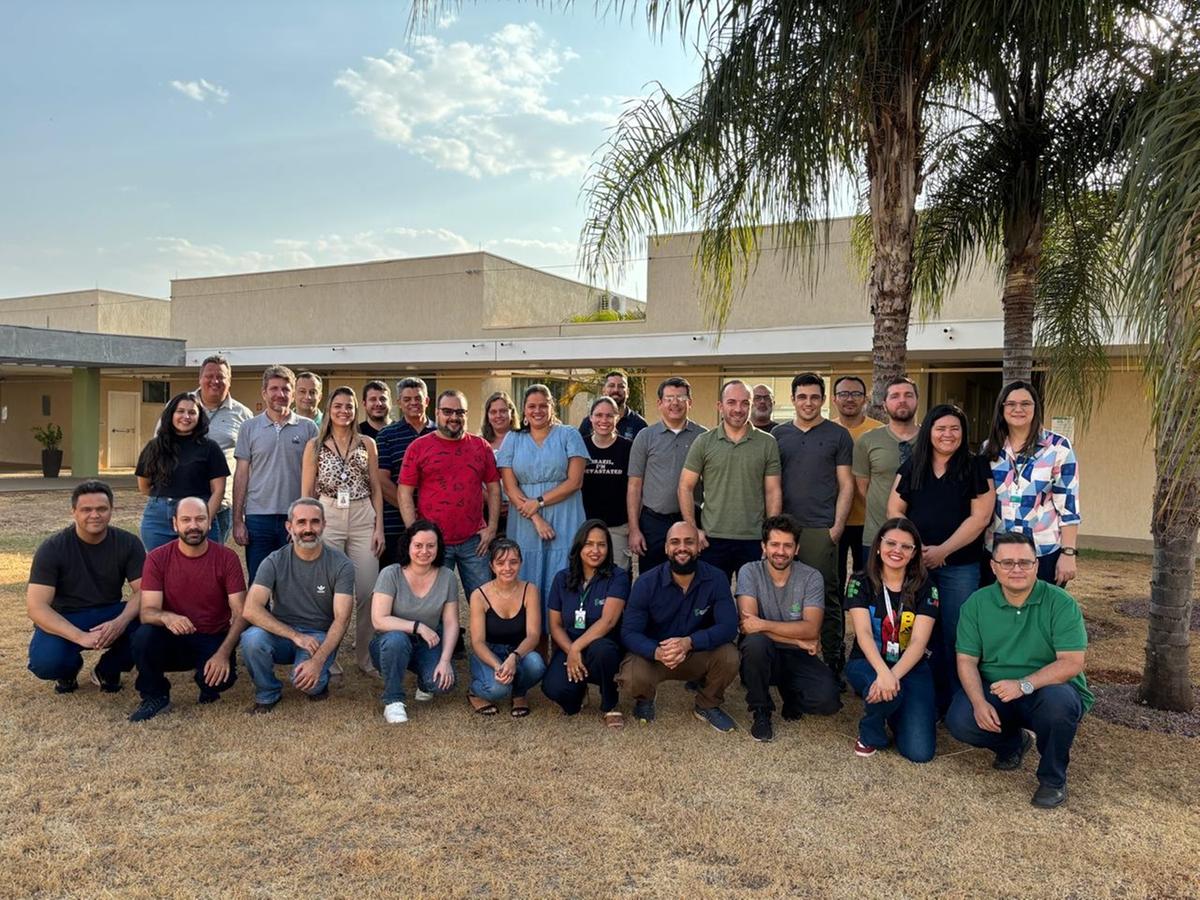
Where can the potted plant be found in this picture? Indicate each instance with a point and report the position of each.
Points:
(50, 438)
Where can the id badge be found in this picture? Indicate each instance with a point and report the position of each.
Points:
(580, 619)
(343, 499)
(892, 651)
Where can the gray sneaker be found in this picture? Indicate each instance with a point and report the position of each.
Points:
(717, 718)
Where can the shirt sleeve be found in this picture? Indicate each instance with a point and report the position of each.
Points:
(235, 578)
(860, 460)
(508, 448)
(557, 589)
(1065, 491)
(218, 466)
(927, 601)
(982, 475)
(386, 582)
(618, 585)
(135, 558)
(152, 575)
(814, 591)
(487, 463)
(845, 449)
(637, 455)
(773, 466)
(969, 641)
(45, 567)
(904, 486)
(410, 472)
(635, 619)
(857, 595)
(725, 620)
(140, 469)
(344, 582)
(241, 448)
(573, 443)
(265, 576)
(747, 583)
(1067, 629)
(695, 456)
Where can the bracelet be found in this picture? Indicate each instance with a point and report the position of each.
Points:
(414, 628)
(516, 654)
(1069, 551)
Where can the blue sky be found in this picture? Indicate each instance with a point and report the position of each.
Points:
(149, 140)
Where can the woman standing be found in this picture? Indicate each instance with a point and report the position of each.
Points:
(946, 491)
(542, 469)
(340, 466)
(499, 418)
(606, 476)
(179, 461)
(506, 626)
(892, 608)
(415, 613)
(586, 602)
(1037, 483)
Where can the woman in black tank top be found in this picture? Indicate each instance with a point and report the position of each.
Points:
(506, 625)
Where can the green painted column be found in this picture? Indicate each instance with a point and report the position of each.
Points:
(85, 423)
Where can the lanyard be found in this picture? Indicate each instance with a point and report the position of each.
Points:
(344, 457)
(895, 618)
(583, 595)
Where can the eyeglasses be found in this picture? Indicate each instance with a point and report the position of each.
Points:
(850, 395)
(678, 400)
(896, 545)
(452, 413)
(1018, 404)
(1023, 565)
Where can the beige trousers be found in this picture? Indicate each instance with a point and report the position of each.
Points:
(349, 530)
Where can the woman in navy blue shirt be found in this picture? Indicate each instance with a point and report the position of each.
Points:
(585, 606)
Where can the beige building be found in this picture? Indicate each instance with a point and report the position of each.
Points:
(479, 323)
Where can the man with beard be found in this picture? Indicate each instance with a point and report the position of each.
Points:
(679, 625)
(763, 401)
(781, 605)
(879, 453)
(192, 595)
(393, 441)
(850, 398)
(629, 422)
(377, 407)
(311, 591)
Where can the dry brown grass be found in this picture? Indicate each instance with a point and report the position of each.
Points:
(325, 799)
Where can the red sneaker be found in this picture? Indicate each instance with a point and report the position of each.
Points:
(863, 750)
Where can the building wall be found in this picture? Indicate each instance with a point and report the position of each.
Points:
(96, 311)
(22, 396)
(130, 314)
(516, 296)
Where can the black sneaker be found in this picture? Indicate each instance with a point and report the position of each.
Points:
(149, 708)
(1014, 760)
(761, 730)
(208, 695)
(107, 685)
(643, 711)
(66, 686)
(1048, 797)
(322, 694)
(791, 713)
(261, 709)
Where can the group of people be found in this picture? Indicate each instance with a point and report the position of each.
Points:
(741, 537)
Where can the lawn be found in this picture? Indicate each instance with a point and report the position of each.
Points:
(327, 800)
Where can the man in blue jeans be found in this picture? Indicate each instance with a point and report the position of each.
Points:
(311, 591)
(74, 594)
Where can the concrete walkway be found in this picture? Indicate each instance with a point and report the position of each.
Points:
(20, 482)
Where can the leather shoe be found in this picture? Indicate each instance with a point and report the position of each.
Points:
(1013, 761)
(1048, 797)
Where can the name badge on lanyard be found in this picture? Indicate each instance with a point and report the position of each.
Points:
(581, 611)
(891, 650)
(343, 499)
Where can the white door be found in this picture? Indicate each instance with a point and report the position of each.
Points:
(124, 442)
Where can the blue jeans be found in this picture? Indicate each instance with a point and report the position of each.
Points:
(263, 651)
(52, 657)
(954, 584)
(395, 653)
(266, 535)
(1052, 713)
(483, 677)
(911, 714)
(156, 528)
(730, 554)
(222, 526)
(473, 570)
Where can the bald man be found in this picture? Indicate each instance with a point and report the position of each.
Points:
(192, 595)
(679, 625)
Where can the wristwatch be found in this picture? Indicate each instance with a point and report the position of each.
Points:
(541, 502)
(1026, 688)
(1069, 551)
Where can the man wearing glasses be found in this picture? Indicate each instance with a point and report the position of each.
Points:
(1021, 647)
(442, 478)
(850, 398)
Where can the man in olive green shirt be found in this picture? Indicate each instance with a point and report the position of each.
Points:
(740, 468)
(1021, 646)
(880, 452)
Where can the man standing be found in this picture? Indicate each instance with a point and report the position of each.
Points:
(740, 468)
(878, 453)
(74, 595)
(655, 463)
(1021, 649)
(310, 588)
(781, 604)
(630, 423)
(377, 407)
(850, 398)
(763, 400)
(392, 442)
(442, 478)
(192, 596)
(308, 396)
(679, 624)
(225, 419)
(818, 488)
(269, 454)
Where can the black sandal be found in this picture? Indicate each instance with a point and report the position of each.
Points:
(520, 712)
(488, 709)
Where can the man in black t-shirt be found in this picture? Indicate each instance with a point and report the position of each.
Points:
(75, 595)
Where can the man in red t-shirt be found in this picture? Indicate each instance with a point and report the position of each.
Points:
(446, 477)
(192, 595)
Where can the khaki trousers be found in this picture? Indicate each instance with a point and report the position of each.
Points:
(349, 530)
(713, 670)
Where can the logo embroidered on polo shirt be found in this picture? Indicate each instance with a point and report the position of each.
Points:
(699, 612)
(321, 589)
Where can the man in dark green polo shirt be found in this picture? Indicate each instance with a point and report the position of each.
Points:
(1021, 645)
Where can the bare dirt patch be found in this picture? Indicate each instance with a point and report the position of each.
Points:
(1139, 608)
(1118, 703)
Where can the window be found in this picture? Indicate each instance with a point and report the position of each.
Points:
(156, 392)
(45, 404)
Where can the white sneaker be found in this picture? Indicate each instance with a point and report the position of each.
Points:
(395, 713)
(422, 696)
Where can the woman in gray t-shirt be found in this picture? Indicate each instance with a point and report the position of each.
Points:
(415, 613)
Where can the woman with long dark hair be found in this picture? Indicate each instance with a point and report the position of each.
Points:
(892, 607)
(499, 418)
(179, 461)
(1037, 483)
(586, 602)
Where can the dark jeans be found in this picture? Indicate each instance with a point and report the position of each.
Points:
(654, 528)
(805, 683)
(911, 713)
(157, 651)
(954, 585)
(816, 549)
(1052, 713)
(266, 535)
(851, 543)
(730, 554)
(601, 658)
(1047, 568)
(52, 657)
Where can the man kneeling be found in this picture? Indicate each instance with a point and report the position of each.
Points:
(311, 589)
(192, 595)
(1026, 638)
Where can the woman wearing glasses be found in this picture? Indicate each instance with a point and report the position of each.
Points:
(893, 607)
(1037, 483)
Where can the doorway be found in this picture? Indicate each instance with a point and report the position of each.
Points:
(124, 437)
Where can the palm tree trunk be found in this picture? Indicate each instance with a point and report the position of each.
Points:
(1019, 301)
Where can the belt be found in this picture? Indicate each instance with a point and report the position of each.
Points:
(657, 515)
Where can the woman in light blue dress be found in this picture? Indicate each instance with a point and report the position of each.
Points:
(542, 469)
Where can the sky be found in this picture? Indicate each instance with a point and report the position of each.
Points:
(144, 141)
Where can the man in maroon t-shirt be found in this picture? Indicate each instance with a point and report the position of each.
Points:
(446, 477)
(192, 595)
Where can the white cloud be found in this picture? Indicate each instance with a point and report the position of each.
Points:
(480, 109)
(201, 91)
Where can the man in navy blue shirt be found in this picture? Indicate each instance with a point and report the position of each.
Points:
(679, 625)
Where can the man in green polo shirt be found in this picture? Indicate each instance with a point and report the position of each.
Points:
(1021, 646)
